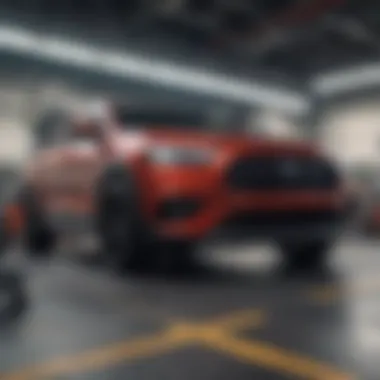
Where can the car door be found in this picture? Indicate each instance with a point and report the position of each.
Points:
(71, 172)
(45, 164)
(80, 167)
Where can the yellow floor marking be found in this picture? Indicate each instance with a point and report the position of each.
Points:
(97, 359)
(240, 320)
(327, 294)
(266, 355)
(217, 334)
(177, 335)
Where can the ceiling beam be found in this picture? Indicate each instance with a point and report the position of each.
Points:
(149, 70)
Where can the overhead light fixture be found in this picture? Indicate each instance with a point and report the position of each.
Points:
(343, 81)
(130, 66)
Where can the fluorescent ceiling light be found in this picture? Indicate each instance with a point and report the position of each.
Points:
(157, 72)
(347, 80)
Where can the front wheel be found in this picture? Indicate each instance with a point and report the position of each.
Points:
(123, 236)
(129, 246)
(128, 242)
(124, 244)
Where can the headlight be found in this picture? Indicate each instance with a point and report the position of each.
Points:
(180, 155)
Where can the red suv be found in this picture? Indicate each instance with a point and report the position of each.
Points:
(154, 183)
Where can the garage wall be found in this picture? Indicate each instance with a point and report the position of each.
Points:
(351, 134)
(22, 100)
(20, 103)
(25, 93)
(272, 123)
(14, 139)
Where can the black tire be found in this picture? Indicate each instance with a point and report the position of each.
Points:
(127, 241)
(124, 239)
(38, 238)
(308, 256)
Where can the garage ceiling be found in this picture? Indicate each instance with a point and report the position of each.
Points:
(275, 41)
(292, 37)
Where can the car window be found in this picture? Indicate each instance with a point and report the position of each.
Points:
(151, 118)
(51, 130)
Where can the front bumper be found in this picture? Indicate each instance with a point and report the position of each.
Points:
(193, 204)
(328, 230)
(279, 217)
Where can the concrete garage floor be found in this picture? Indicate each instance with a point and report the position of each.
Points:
(235, 318)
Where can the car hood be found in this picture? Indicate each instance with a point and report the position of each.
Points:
(227, 142)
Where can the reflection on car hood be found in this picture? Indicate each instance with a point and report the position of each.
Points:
(214, 140)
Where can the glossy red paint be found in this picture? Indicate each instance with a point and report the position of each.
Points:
(65, 177)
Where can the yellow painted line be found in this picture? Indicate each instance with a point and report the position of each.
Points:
(327, 294)
(239, 320)
(277, 359)
(174, 337)
(100, 358)
(217, 334)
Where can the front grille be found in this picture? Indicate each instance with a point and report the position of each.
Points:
(281, 173)
(281, 219)
(178, 208)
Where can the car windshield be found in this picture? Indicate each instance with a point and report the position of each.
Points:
(158, 118)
